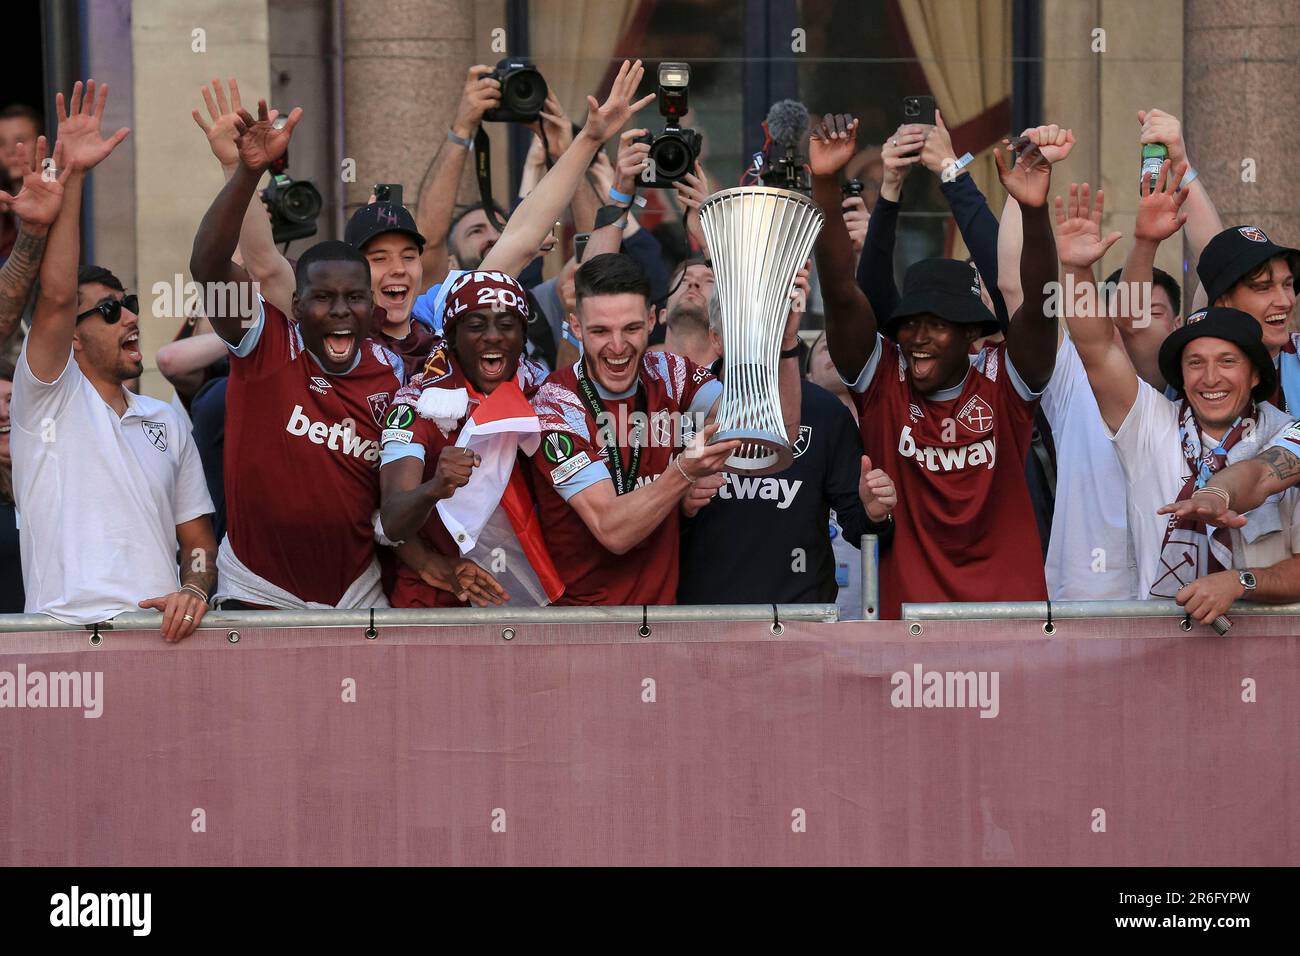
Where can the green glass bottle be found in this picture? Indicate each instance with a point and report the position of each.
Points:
(1153, 157)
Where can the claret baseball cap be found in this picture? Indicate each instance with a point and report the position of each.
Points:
(1234, 254)
(947, 288)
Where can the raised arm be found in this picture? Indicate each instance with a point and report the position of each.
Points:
(262, 260)
(442, 179)
(259, 144)
(875, 275)
(1079, 244)
(1203, 220)
(83, 148)
(1159, 217)
(850, 320)
(970, 210)
(1032, 332)
(536, 214)
(37, 206)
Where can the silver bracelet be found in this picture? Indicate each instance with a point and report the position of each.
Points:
(195, 589)
(1222, 492)
(460, 140)
(682, 469)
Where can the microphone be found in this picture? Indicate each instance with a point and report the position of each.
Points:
(787, 126)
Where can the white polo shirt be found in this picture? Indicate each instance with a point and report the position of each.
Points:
(1149, 444)
(99, 497)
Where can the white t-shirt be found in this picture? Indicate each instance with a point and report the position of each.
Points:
(1090, 555)
(1150, 451)
(99, 497)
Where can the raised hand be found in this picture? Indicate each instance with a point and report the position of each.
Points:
(606, 119)
(1161, 127)
(481, 93)
(223, 137)
(1028, 180)
(856, 220)
(1078, 229)
(692, 190)
(876, 489)
(555, 123)
(899, 154)
(79, 121)
(1159, 213)
(260, 141)
(937, 152)
(832, 144)
(41, 196)
(631, 161)
(1056, 143)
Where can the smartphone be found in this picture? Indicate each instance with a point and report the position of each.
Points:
(388, 192)
(580, 244)
(919, 109)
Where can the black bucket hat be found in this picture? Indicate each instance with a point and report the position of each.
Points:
(947, 288)
(1231, 325)
(1234, 254)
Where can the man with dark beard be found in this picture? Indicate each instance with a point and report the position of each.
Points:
(687, 314)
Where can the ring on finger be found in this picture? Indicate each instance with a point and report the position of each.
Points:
(189, 618)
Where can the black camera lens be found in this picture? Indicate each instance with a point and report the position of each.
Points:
(672, 159)
(300, 202)
(525, 92)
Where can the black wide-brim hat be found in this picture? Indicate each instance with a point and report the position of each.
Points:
(378, 218)
(1231, 325)
(946, 288)
(1234, 254)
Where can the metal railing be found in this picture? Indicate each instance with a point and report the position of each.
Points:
(448, 617)
(1065, 610)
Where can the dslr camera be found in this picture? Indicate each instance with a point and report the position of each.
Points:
(523, 92)
(674, 151)
(294, 204)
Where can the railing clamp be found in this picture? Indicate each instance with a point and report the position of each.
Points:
(644, 629)
(371, 633)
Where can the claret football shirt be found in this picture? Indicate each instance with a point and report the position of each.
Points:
(302, 458)
(676, 395)
(964, 525)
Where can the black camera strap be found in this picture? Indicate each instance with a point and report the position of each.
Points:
(483, 171)
(623, 481)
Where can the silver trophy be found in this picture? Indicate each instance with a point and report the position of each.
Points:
(759, 238)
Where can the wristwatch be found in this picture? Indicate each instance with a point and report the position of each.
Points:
(1247, 579)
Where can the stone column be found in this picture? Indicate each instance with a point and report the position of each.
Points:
(176, 176)
(1096, 83)
(404, 66)
(1242, 71)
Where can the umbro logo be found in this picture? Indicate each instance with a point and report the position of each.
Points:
(319, 385)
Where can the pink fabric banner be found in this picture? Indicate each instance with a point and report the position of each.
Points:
(1111, 742)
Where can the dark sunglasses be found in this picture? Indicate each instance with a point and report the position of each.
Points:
(111, 309)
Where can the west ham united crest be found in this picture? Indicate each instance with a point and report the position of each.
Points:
(803, 441)
(976, 415)
(156, 432)
(378, 405)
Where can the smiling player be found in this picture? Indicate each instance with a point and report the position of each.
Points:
(952, 429)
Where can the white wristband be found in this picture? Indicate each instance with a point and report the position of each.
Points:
(1188, 177)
